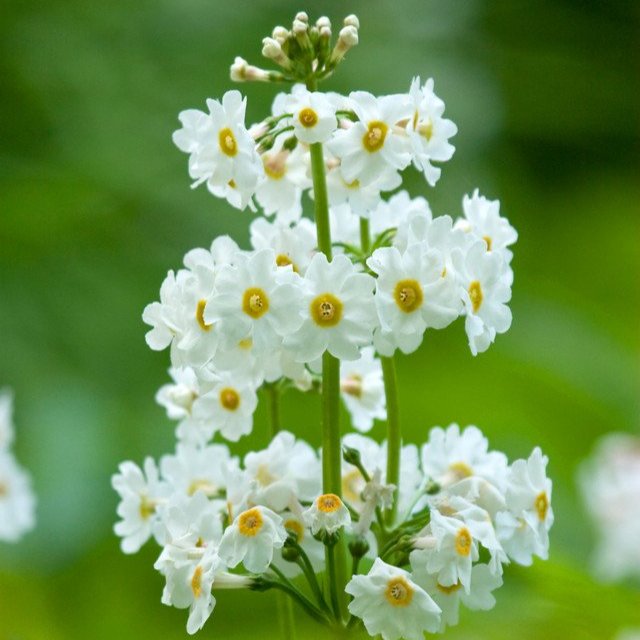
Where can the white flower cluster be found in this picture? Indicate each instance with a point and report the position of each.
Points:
(17, 500)
(610, 484)
(323, 308)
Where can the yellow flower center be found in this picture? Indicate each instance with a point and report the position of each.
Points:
(229, 399)
(373, 139)
(264, 476)
(328, 503)
(425, 129)
(352, 386)
(308, 117)
(255, 302)
(352, 485)
(489, 242)
(274, 164)
(202, 304)
(196, 582)
(250, 522)
(408, 295)
(399, 592)
(202, 485)
(448, 590)
(542, 505)
(147, 507)
(227, 142)
(283, 260)
(461, 469)
(475, 293)
(463, 541)
(296, 527)
(326, 310)
(247, 343)
(352, 185)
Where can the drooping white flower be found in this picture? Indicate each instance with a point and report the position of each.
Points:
(337, 310)
(428, 131)
(480, 596)
(292, 245)
(252, 539)
(370, 146)
(6, 419)
(140, 494)
(362, 389)
(481, 278)
(413, 292)
(229, 406)
(391, 604)
(255, 300)
(523, 530)
(482, 218)
(17, 500)
(327, 514)
(222, 153)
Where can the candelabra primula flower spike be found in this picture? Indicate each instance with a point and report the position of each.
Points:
(388, 535)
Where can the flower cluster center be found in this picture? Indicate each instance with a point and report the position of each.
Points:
(255, 302)
(308, 117)
(326, 310)
(475, 293)
(227, 142)
(408, 295)
(373, 139)
(229, 399)
(399, 592)
(329, 502)
(463, 541)
(250, 522)
(542, 506)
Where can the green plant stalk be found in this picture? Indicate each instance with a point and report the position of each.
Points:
(394, 436)
(365, 238)
(273, 392)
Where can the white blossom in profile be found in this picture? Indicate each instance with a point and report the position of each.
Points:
(327, 514)
(6, 419)
(391, 604)
(17, 500)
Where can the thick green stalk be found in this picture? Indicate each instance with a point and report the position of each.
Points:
(365, 239)
(273, 392)
(394, 436)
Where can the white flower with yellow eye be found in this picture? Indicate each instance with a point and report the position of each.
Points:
(391, 604)
(451, 456)
(414, 292)
(252, 539)
(370, 146)
(482, 286)
(17, 501)
(313, 115)
(337, 310)
(287, 470)
(482, 218)
(293, 245)
(195, 469)
(285, 178)
(523, 530)
(141, 492)
(449, 545)
(428, 131)
(255, 300)
(362, 389)
(6, 419)
(222, 153)
(229, 406)
(327, 514)
(449, 599)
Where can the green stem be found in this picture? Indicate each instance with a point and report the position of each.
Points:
(365, 238)
(285, 613)
(321, 199)
(394, 436)
(273, 392)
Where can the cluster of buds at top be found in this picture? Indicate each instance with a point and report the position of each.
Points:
(304, 52)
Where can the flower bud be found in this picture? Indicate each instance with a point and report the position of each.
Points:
(351, 455)
(358, 547)
(281, 34)
(352, 21)
(271, 49)
(290, 553)
(301, 16)
(323, 23)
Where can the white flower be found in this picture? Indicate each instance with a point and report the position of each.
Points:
(481, 277)
(482, 218)
(222, 153)
(413, 292)
(451, 456)
(362, 389)
(524, 529)
(293, 245)
(287, 470)
(252, 538)
(17, 501)
(374, 495)
(391, 604)
(327, 514)
(371, 146)
(140, 494)
(294, 524)
(285, 178)
(610, 485)
(428, 131)
(6, 419)
(337, 309)
(255, 300)
(313, 115)
(397, 213)
(229, 406)
(178, 398)
(480, 597)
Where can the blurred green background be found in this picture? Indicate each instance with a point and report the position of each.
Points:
(95, 207)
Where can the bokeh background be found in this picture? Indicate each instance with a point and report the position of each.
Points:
(95, 207)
